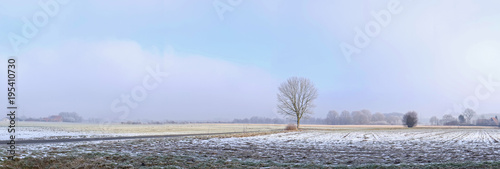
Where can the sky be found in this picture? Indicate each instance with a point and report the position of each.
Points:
(219, 60)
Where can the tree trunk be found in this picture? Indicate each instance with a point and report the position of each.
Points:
(298, 123)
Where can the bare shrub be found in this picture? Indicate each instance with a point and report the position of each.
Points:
(410, 119)
(291, 127)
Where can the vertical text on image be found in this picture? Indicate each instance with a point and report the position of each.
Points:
(11, 108)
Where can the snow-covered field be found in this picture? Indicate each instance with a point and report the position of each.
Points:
(323, 147)
(366, 146)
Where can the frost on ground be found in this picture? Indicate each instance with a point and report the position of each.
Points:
(320, 147)
(52, 131)
(363, 147)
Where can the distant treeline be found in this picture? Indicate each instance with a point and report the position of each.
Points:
(461, 120)
(71, 117)
(363, 117)
(261, 120)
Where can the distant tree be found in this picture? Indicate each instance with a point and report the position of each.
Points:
(378, 117)
(95, 120)
(434, 120)
(260, 120)
(468, 114)
(360, 118)
(394, 114)
(295, 98)
(255, 119)
(345, 118)
(356, 117)
(278, 121)
(246, 120)
(461, 119)
(314, 120)
(393, 120)
(368, 114)
(496, 117)
(71, 117)
(448, 119)
(410, 119)
(332, 118)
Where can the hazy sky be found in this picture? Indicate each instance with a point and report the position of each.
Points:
(427, 56)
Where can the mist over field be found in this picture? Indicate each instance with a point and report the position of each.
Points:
(210, 60)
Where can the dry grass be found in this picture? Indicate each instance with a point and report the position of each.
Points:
(154, 129)
(166, 129)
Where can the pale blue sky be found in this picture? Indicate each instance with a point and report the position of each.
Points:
(429, 57)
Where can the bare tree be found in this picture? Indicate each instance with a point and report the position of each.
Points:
(468, 114)
(71, 117)
(368, 114)
(345, 117)
(448, 119)
(378, 117)
(393, 120)
(410, 119)
(295, 98)
(332, 118)
(360, 118)
(434, 120)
